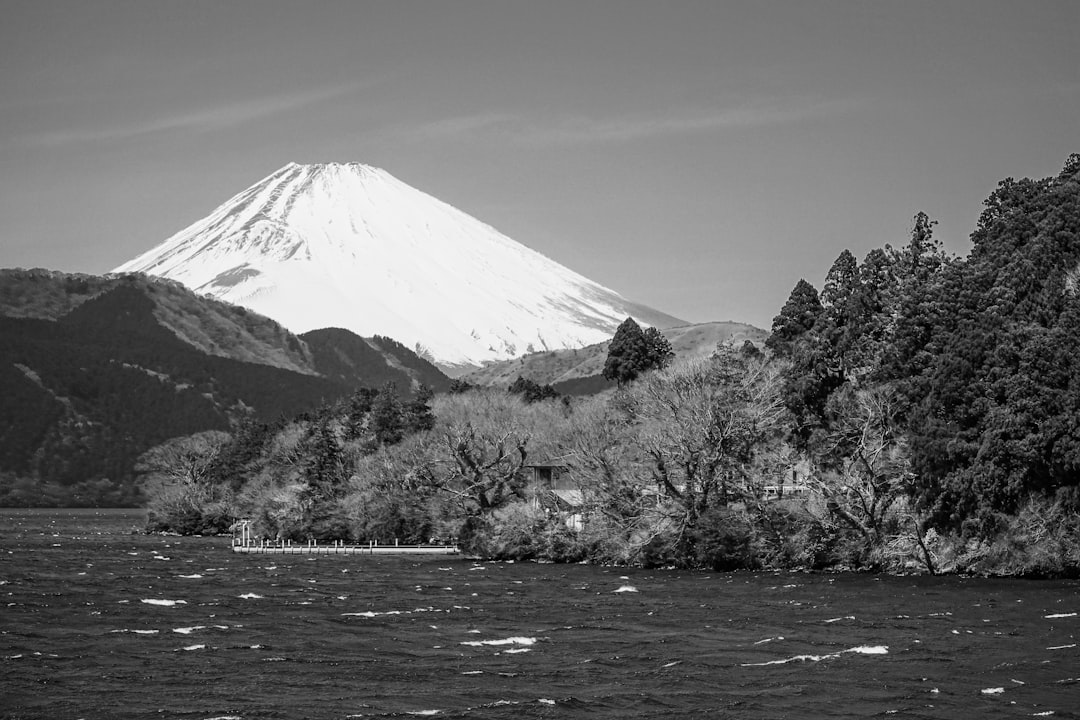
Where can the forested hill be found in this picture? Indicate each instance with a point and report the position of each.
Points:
(95, 371)
(971, 366)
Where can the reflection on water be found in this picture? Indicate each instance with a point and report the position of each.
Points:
(100, 622)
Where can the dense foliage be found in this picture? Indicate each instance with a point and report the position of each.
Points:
(920, 412)
(634, 351)
(95, 371)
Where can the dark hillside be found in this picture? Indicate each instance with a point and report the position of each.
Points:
(85, 395)
(344, 356)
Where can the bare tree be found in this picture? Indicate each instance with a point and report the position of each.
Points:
(482, 452)
(864, 468)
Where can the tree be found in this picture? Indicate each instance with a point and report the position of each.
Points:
(986, 359)
(386, 421)
(325, 469)
(628, 353)
(184, 497)
(633, 352)
(459, 385)
(796, 318)
(658, 352)
(864, 468)
(416, 414)
(840, 281)
(707, 429)
(531, 391)
(358, 407)
(482, 450)
(188, 460)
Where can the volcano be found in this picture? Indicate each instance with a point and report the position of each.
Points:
(350, 246)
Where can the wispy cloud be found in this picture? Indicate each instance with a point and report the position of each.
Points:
(206, 119)
(581, 130)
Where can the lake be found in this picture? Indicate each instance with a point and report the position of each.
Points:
(99, 622)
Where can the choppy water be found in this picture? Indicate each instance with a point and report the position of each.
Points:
(96, 622)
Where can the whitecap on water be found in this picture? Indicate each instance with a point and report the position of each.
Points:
(135, 632)
(189, 630)
(373, 613)
(992, 691)
(504, 641)
(626, 589)
(225, 717)
(545, 701)
(838, 619)
(1059, 615)
(194, 647)
(190, 577)
(163, 602)
(768, 640)
(860, 650)
(1061, 647)
(250, 596)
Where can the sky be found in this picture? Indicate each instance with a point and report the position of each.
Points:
(698, 157)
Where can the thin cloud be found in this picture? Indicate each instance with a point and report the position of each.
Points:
(581, 130)
(207, 119)
(464, 125)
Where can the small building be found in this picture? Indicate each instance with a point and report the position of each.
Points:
(792, 486)
(552, 487)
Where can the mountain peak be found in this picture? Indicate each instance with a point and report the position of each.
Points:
(349, 245)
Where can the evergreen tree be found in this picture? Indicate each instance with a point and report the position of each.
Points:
(987, 356)
(628, 354)
(387, 421)
(531, 391)
(325, 462)
(359, 405)
(458, 386)
(417, 412)
(658, 350)
(796, 318)
(840, 281)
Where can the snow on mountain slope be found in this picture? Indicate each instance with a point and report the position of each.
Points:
(351, 246)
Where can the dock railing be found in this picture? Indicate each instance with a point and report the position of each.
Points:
(244, 541)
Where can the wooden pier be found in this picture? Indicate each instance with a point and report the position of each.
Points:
(335, 549)
(243, 542)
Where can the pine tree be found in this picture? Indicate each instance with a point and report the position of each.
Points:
(387, 422)
(417, 412)
(628, 353)
(840, 281)
(796, 318)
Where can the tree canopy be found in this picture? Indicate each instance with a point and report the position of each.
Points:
(633, 352)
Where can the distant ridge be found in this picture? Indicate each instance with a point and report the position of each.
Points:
(351, 246)
(579, 371)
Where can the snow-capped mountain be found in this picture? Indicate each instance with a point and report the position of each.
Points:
(351, 246)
